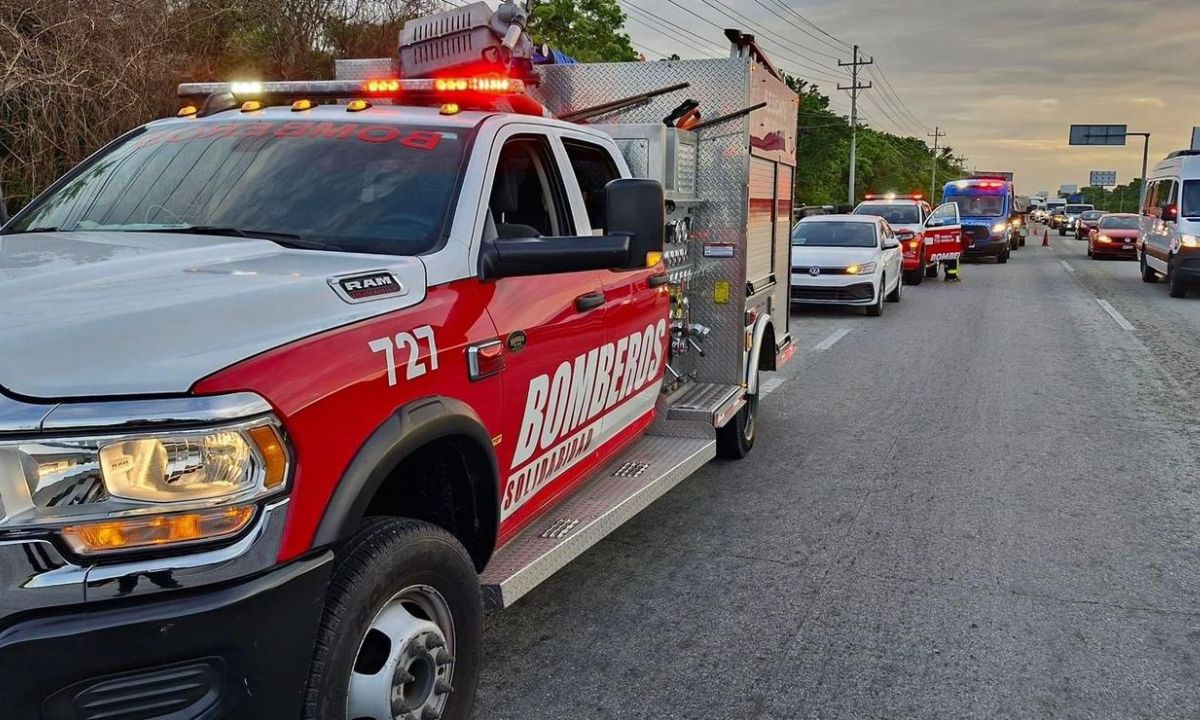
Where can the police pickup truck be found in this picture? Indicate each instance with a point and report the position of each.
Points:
(295, 383)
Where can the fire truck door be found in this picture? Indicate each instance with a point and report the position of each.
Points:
(943, 234)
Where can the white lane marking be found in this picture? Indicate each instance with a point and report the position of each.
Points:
(1066, 265)
(831, 340)
(770, 386)
(1108, 308)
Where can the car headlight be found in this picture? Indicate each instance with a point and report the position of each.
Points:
(864, 269)
(117, 492)
(999, 227)
(1104, 239)
(1190, 241)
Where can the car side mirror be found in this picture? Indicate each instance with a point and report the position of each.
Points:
(890, 243)
(635, 209)
(1170, 213)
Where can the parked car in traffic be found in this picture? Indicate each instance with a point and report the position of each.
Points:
(1169, 241)
(846, 260)
(1087, 222)
(1115, 235)
(906, 214)
(1071, 215)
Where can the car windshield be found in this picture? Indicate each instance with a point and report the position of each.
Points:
(1077, 209)
(834, 234)
(978, 205)
(357, 187)
(1120, 223)
(1191, 199)
(894, 214)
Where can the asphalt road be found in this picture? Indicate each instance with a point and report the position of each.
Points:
(981, 505)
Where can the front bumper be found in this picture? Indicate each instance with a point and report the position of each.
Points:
(1187, 267)
(240, 651)
(987, 248)
(1117, 248)
(847, 290)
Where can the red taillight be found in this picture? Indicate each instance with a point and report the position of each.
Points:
(485, 84)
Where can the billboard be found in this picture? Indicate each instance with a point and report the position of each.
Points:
(1098, 134)
(1103, 178)
(1064, 190)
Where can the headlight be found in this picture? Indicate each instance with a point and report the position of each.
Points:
(999, 227)
(1104, 239)
(1190, 241)
(1016, 222)
(108, 493)
(865, 269)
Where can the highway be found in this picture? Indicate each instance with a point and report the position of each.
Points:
(982, 504)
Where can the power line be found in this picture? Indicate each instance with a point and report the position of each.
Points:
(844, 45)
(789, 45)
(681, 32)
(777, 14)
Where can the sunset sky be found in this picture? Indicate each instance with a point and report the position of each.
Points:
(1004, 79)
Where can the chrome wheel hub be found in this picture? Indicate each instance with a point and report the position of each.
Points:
(404, 665)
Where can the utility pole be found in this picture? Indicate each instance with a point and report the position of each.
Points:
(937, 135)
(855, 87)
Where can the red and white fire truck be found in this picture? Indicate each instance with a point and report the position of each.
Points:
(288, 379)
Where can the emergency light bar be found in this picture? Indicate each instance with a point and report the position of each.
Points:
(894, 196)
(383, 88)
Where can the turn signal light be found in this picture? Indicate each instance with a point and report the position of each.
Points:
(267, 439)
(251, 106)
(653, 259)
(188, 111)
(302, 105)
(357, 105)
(147, 532)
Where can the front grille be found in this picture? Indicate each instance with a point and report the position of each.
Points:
(824, 271)
(978, 233)
(849, 293)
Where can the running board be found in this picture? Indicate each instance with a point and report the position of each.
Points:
(644, 473)
(707, 402)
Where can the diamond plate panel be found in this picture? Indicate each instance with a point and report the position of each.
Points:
(602, 505)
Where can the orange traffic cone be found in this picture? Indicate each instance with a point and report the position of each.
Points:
(1046, 239)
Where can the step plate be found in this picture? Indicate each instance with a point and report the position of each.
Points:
(707, 402)
(602, 505)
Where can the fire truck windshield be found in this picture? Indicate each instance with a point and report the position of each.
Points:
(351, 186)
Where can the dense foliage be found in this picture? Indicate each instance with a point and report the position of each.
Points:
(587, 30)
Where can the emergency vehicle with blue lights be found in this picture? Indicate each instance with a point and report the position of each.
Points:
(297, 382)
(989, 217)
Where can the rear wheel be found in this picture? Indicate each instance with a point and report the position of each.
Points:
(931, 271)
(402, 631)
(1148, 273)
(736, 439)
(1062, 232)
(1003, 257)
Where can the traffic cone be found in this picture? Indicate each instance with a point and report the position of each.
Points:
(1046, 239)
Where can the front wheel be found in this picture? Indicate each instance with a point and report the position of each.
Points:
(401, 636)
(1062, 232)
(876, 308)
(1176, 288)
(1003, 257)
(736, 439)
(894, 296)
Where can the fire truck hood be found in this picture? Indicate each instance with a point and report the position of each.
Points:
(116, 313)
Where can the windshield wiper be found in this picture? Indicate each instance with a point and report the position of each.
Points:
(288, 240)
(32, 230)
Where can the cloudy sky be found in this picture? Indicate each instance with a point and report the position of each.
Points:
(1003, 78)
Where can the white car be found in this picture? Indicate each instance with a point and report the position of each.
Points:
(846, 260)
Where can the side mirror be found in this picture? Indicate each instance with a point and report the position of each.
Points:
(636, 209)
(1170, 213)
(890, 243)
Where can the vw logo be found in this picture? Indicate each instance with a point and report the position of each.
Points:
(814, 271)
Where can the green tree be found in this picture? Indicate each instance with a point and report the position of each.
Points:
(587, 30)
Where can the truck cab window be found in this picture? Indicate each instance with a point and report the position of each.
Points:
(594, 170)
(528, 198)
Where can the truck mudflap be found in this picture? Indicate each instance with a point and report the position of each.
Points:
(643, 473)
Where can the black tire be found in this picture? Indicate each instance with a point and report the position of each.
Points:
(895, 295)
(736, 439)
(1022, 241)
(1003, 257)
(386, 556)
(1176, 288)
(876, 308)
(1148, 273)
(1062, 232)
(913, 277)
(931, 271)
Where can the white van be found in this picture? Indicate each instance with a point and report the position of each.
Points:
(1169, 241)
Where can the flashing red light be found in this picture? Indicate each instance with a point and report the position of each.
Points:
(484, 84)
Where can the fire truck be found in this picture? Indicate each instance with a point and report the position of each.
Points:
(297, 383)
